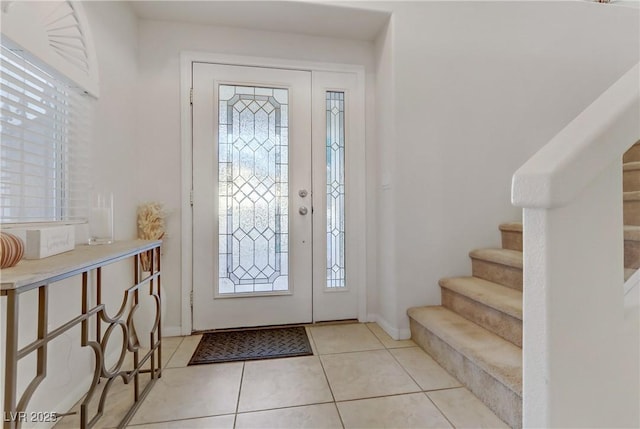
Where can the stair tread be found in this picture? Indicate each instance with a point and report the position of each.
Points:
(631, 196)
(511, 226)
(494, 295)
(632, 232)
(631, 166)
(628, 272)
(632, 153)
(512, 258)
(495, 355)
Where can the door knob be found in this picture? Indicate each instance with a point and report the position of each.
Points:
(303, 193)
(303, 210)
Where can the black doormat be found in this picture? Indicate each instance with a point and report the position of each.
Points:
(251, 344)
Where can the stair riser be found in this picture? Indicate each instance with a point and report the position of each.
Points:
(631, 254)
(632, 155)
(512, 240)
(500, 399)
(631, 180)
(504, 325)
(631, 213)
(497, 273)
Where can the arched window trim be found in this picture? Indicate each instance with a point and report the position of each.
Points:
(57, 34)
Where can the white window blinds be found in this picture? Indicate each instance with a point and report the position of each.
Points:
(43, 127)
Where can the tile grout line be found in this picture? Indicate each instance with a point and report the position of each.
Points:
(286, 407)
(389, 349)
(183, 343)
(406, 371)
(235, 415)
(375, 335)
(419, 392)
(395, 359)
(366, 325)
(424, 392)
(324, 403)
(444, 388)
(382, 341)
(177, 420)
(416, 382)
(314, 346)
(335, 405)
(330, 390)
(173, 353)
(327, 379)
(352, 351)
(441, 412)
(318, 403)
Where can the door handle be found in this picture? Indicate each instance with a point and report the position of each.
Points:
(303, 193)
(303, 210)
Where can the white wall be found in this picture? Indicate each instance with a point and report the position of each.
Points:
(158, 116)
(386, 308)
(113, 167)
(477, 88)
(115, 164)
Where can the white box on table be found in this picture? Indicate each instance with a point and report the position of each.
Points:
(49, 241)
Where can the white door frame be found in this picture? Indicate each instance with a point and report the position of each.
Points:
(356, 204)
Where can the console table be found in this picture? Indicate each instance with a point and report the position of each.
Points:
(40, 275)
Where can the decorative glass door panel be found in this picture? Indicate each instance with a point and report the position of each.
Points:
(339, 188)
(336, 251)
(253, 143)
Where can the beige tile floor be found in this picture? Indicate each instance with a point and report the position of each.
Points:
(358, 377)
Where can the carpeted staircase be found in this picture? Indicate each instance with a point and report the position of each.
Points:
(631, 195)
(476, 334)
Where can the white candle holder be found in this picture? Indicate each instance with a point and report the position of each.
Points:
(101, 218)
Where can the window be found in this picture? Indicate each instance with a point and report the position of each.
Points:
(335, 190)
(253, 182)
(43, 130)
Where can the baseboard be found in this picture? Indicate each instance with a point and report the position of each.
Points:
(172, 331)
(395, 333)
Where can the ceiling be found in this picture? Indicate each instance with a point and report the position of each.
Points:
(282, 16)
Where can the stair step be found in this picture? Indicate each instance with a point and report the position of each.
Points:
(490, 305)
(511, 233)
(502, 266)
(631, 237)
(631, 176)
(631, 246)
(633, 154)
(628, 272)
(631, 212)
(488, 365)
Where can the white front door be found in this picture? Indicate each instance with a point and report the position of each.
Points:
(265, 252)
(252, 248)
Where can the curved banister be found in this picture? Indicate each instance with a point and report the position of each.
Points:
(598, 136)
